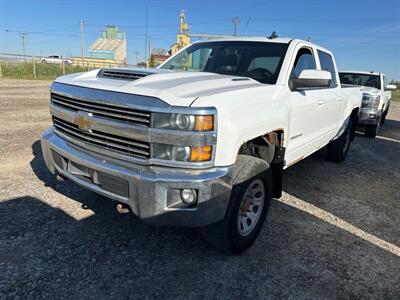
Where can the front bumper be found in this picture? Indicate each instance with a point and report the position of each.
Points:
(153, 194)
(369, 116)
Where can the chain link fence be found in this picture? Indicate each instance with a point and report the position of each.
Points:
(16, 66)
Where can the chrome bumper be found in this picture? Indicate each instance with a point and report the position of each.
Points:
(368, 116)
(152, 193)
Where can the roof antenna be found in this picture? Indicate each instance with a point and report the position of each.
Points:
(273, 35)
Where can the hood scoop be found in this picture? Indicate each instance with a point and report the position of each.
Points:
(124, 74)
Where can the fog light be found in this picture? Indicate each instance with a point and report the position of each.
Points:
(188, 196)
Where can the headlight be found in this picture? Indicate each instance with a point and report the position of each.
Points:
(370, 101)
(182, 153)
(183, 122)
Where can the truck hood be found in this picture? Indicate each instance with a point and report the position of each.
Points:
(370, 90)
(175, 88)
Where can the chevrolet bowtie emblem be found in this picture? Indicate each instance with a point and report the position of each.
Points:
(82, 120)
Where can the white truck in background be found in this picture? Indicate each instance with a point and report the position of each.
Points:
(55, 59)
(376, 97)
(202, 140)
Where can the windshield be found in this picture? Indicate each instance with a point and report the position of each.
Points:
(360, 79)
(258, 60)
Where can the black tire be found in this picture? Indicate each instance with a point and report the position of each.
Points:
(383, 118)
(371, 130)
(225, 235)
(337, 149)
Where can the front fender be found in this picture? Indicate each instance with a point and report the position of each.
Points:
(244, 115)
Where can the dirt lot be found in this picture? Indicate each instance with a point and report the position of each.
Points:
(334, 234)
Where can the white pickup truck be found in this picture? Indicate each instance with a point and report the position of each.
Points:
(202, 140)
(376, 97)
(55, 59)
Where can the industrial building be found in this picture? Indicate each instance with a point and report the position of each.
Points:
(111, 45)
(107, 50)
(159, 55)
(183, 37)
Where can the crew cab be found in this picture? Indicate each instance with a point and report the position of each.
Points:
(55, 59)
(376, 97)
(202, 140)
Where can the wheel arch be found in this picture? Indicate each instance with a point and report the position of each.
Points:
(269, 147)
(354, 119)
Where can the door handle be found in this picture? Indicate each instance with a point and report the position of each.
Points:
(321, 102)
(340, 99)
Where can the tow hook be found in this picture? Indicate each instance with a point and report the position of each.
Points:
(122, 209)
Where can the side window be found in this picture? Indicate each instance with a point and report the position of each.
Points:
(327, 64)
(304, 61)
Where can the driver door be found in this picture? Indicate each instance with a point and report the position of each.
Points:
(306, 127)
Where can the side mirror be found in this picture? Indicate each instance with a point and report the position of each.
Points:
(309, 79)
(390, 87)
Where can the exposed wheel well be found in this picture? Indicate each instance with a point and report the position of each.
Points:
(263, 146)
(269, 147)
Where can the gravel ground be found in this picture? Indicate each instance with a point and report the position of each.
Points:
(334, 233)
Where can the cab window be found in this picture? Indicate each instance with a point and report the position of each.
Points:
(327, 65)
(304, 61)
(385, 81)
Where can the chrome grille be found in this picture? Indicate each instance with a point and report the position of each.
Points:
(102, 139)
(114, 112)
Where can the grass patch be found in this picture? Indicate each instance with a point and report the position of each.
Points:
(43, 71)
(396, 96)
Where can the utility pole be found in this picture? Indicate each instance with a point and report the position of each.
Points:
(136, 57)
(146, 38)
(82, 42)
(235, 22)
(23, 36)
(149, 59)
(247, 25)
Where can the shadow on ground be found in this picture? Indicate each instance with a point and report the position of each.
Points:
(48, 253)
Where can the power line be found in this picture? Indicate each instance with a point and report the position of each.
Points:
(39, 33)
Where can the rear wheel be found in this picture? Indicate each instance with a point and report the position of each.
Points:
(337, 150)
(247, 209)
(371, 130)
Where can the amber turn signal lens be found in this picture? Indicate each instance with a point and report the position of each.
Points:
(202, 153)
(204, 123)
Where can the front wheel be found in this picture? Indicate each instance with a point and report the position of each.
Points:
(383, 118)
(247, 209)
(337, 150)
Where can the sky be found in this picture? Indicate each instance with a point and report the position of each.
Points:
(363, 35)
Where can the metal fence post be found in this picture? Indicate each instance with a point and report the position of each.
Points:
(34, 67)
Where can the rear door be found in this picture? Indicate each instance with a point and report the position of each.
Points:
(330, 99)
